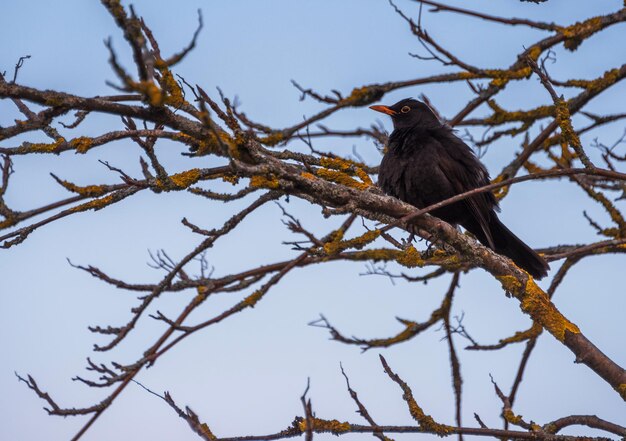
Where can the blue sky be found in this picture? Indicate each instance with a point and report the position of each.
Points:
(246, 375)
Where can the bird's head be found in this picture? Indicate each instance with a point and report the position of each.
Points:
(410, 113)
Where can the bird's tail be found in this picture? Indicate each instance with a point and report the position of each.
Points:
(508, 244)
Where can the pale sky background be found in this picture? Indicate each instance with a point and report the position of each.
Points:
(245, 376)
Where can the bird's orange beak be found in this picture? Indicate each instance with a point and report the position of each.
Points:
(384, 109)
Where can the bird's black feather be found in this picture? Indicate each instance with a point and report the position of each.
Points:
(425, 163)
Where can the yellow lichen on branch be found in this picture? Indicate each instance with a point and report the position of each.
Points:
(96, 204)
(204, 428)
(173, 92)
(203, 293)
(563, 117)
(185, 179)
(411, 258)
(337, 245)
(341, 170)
(425, 421)
(520, 336)
(608, 78)
(43, 147)
(536, 303)
(259, 181)
(319, 425)
(501, 116)
(340, 178)
(511, 418)
(510, 284)
(576, 33)
(361, 96)
(153, 94)
(253, 298)
(337, 163)
(532, 168)
(406, 334)
(309, 176)
(215, 144)
(501, 192)
(363, 176)
(231, 179)
(272, 139)
(8, 222)
(92, 191)
(502, 76)
(81, 144)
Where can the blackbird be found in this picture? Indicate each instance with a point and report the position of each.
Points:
(426, 163)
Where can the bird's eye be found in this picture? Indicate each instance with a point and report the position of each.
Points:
(405, 109)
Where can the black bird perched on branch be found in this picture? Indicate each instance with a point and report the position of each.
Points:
(426, 163)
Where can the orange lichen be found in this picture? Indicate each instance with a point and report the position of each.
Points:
(45, 147)
(510, 284)
(96, 204)
(501, 192)
(253, 298)
(410, 258)
(363, 176)
(467, 75)
(232, 179)
(608, 78)
(425, 421)
(341, 178)
(184, 138)
(501, 76)
(174, 93)
(8, 222)
(307, 175)
(576, 33)
(347, 167)
(272, 139)
(92, 191)
(203, 293)
(264, 182)
(511, 418)
(535, 302)
(336, 163)
(210, 145)
(444, 259)
(333, 245)
(337, 245)
(568, 133)
(186, 178)
(534, 52)
(499, 82)
(207, 432)
(407, 333)
(377, 255)
(361, 96)
(501, 116)
(319, 425)
(566, 154)
(153, 94)
(81, 144)
(520, 336)
(531, 167)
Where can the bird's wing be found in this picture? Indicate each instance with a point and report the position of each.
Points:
(464, 173)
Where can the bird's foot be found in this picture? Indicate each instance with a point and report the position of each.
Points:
(408, 241)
